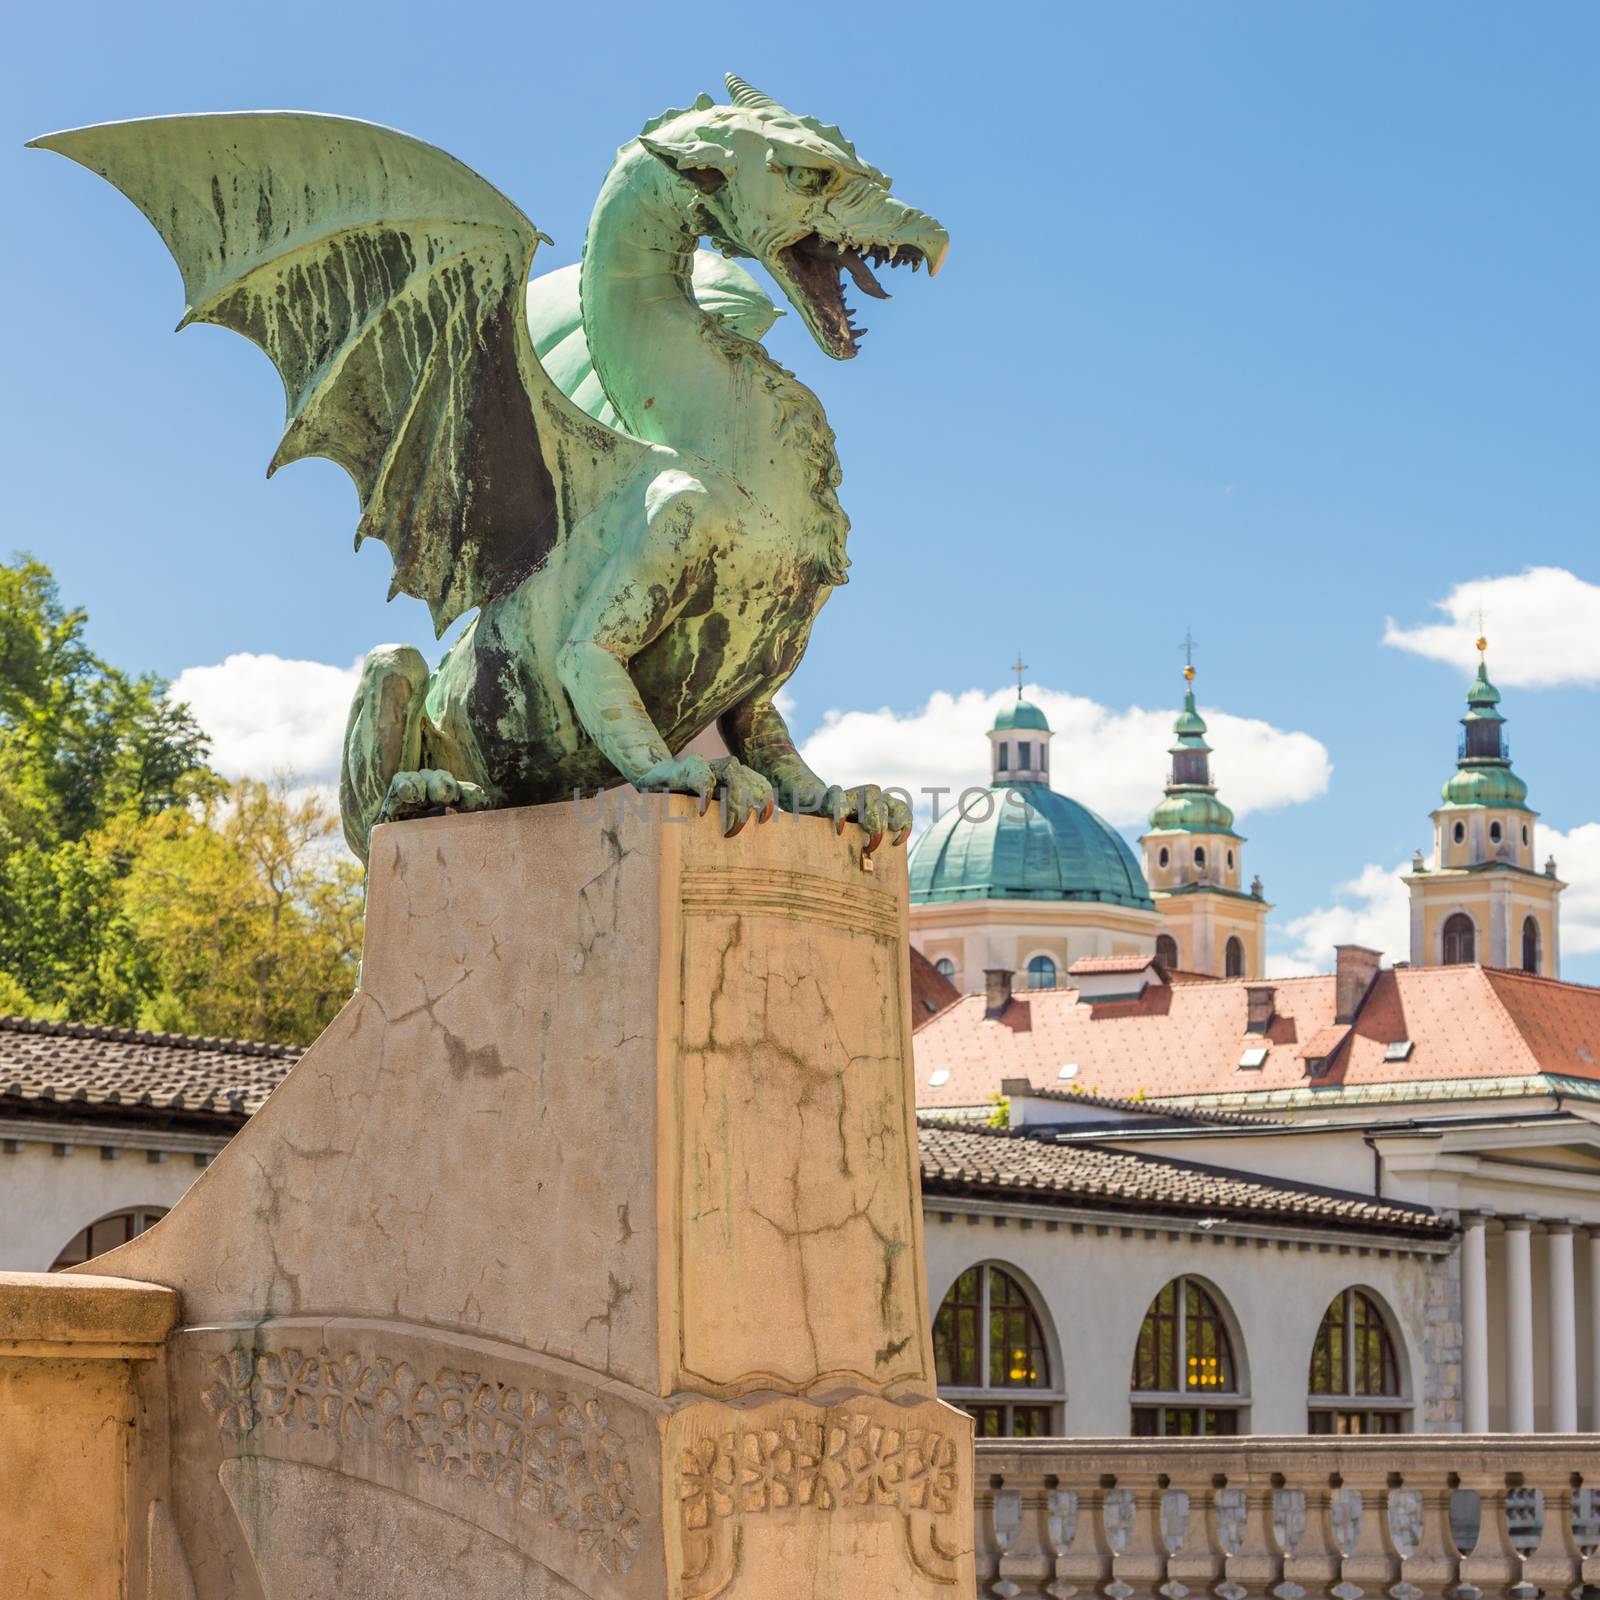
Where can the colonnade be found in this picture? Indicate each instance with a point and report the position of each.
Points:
(1563, 1238)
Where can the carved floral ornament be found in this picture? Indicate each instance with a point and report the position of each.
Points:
(843, 1463)
(555, 1457)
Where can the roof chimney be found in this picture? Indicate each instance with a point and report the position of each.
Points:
(1260, 998)
(1356, 968)
(996, 990)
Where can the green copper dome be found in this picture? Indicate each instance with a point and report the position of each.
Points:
(1052, 848)
(1479, 785)
(1483, 775)
(1021, 714)
(1191, 810)
(1191, 804)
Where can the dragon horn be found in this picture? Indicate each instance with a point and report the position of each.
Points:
(750, 99)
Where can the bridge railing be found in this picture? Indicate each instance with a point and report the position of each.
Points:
(1408, 1517)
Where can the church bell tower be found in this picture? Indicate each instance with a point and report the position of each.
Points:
(1194, 864)
(1480, 897)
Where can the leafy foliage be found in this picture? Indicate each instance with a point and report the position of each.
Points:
(136, 886)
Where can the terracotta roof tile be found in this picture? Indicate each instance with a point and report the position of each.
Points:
(1184, 1039)
(1005, 1163)
(1149, 1108)
(1086, 964)
(1324, 1043)
(76, 1068)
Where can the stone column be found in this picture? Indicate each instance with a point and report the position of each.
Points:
(1594, 1329)
(582, 1254)
(1475, 1322)
(1519, 1325)
(1563, 1329)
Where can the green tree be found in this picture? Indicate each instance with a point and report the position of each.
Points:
(248, 914)
(135, 885)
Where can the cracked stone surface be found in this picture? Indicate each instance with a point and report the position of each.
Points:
(616, 1133)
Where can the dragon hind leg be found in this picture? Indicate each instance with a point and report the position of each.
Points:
(382, 778)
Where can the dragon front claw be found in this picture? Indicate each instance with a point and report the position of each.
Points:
(426, 792)
(741, 792)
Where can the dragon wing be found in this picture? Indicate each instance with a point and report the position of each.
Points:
(387, 283)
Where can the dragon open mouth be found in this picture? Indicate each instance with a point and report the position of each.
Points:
(815, 268)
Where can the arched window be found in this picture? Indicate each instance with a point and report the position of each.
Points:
(1167, 951)
(1459, 833)
(1233, 958)
(1164, 857)
(1041, 973)
(946, 968)
(107, 1234)
(1185, 1380)
(1200, 856)
(990, 1354)
(1530, 944)
(1460, 940)
(1355, 1376)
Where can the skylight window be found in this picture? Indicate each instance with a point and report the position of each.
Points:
(1398, 1050)
(937, 1080)
(1254, 1058)
(1069, 1070)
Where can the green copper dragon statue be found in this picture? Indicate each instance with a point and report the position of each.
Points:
(605, 464)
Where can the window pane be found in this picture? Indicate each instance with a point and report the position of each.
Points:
(1376, 1369)
(1208, 1360)
(955, 1332)
(991, 1421)
(1155, 1360)
(1016, 1341)
(1327, 1363)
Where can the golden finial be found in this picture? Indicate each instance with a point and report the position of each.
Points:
(1019, 666)
(1483, 642)
(1190, 645)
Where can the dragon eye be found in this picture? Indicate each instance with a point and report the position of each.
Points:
(810, 180)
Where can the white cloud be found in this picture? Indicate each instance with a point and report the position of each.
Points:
(266, 715)
(1543, 627)
(1577, 855)
(1114, 761)
(1373, 909)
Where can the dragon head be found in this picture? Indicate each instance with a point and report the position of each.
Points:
(793, 193)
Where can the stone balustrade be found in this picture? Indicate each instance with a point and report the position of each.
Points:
(1406, 1517)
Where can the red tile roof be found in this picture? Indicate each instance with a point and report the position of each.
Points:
(1186, 1039)
(1161, 1110)
(1085, 964)
(1324, 1043)
(1000, 1163)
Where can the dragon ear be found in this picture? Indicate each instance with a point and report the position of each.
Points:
(691, 156)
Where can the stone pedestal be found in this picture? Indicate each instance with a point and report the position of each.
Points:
(582, 1254)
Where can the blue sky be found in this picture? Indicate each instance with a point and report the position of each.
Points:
(1271, 321)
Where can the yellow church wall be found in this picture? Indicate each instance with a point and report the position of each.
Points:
(978, 934)
(1180, 868)
(1441, 896)
(1477, 843)
(1187, 918)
